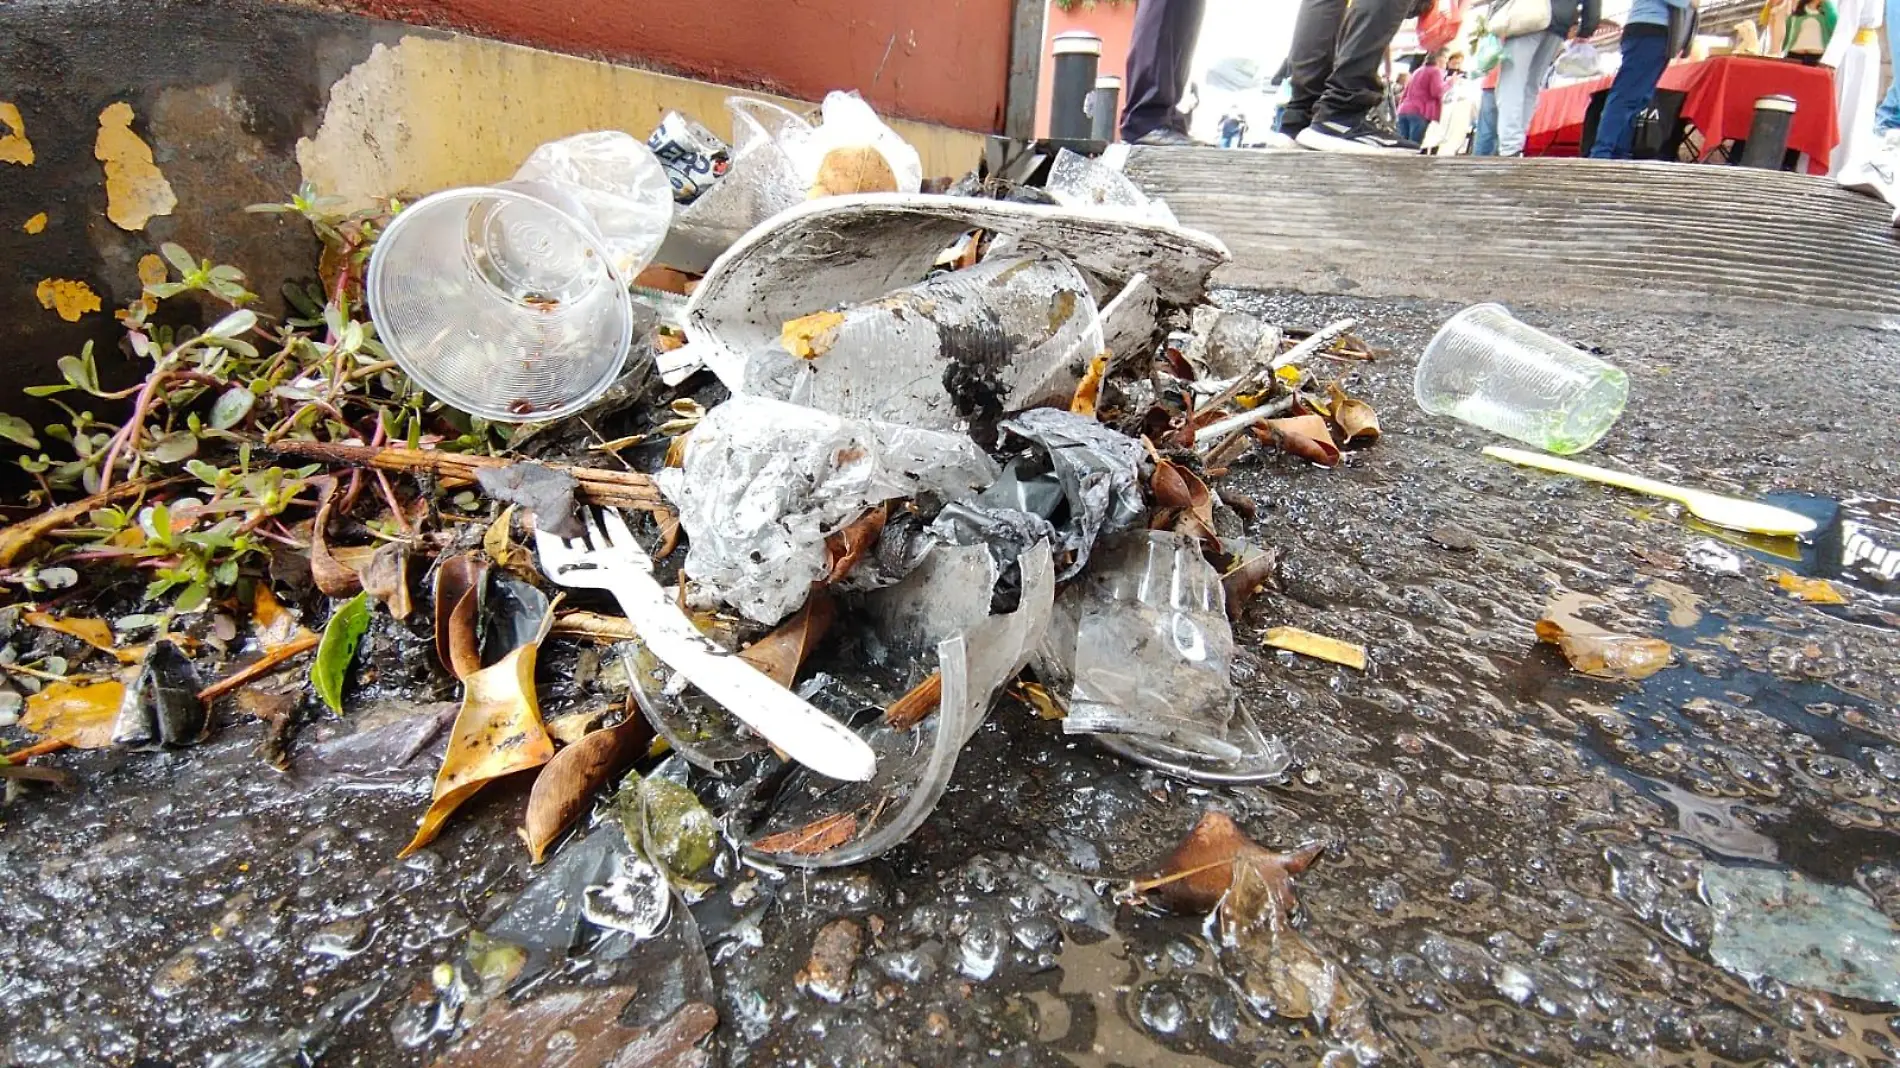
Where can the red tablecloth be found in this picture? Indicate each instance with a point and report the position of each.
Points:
(1720, 99)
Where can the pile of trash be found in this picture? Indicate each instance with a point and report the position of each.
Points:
(861, 463)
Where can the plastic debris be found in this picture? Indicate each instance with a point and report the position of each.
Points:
(1153, 647)
(1780, 924)
(1318, 646)
(764, 482)
(1076, 181)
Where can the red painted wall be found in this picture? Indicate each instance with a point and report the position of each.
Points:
(1114, 23)
(943, 61)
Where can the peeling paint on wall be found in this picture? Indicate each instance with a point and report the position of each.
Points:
(70, 299)
(135, 189)
(36, 224)
(431, 113)
(14, 147)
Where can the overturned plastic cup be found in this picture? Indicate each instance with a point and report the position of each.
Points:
(1486, 368)
(510, 301)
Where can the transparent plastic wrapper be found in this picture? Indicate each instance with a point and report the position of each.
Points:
(1782, 924)
(510, 302)
(1098, 470)
(1076, 181)
(1002, 336)
(834, 160)
(763, 482)
(1486, 368)
(1153, 647)
(914, 766)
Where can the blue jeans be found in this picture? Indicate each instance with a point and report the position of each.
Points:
(1412, 128)
(1484, 142)
(1645, 54)
(1887, 115)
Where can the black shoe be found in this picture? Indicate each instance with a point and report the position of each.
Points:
(1361, 138)
(1169, 138)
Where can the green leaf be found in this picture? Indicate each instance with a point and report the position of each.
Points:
(337, 648)
(172, 448)
(665, 823)
(224, 272)
(232, 406)
(192, 597)
(46, 391)
(178, 257)
(232, 325)
(17, 430)
(78, 373)
(166, 290)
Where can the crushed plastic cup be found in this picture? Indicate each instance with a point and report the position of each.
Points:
(510, 301)
(1486, 368)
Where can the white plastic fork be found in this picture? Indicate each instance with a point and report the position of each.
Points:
(609, 558)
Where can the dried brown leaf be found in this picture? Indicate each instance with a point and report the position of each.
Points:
(780, 653)
(849, 544)
(1811, 590)
(386, 578)
(459, 582)
(498, 732)
(579, 1029)
(594, 625)
(1305, 436)
(1601, 654)
(1201, 868)
(1247, 578)
(567, 785)
(79, 714)
(94, 632)
(1356, 420)
(811, 336)
(330, 574)
(819, 836)
(1184, 504)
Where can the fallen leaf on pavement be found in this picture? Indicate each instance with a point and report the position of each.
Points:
(81, 715)
(273, 623)
(566, 786)
(1318, 646)
(780, 653)
(1040, 699)
(497, 732)
(819, 836)
(574, 726)
(338, 648)
(1305, 436)
(850, 543)
(1247, 578)
(94, 632)
(601, 628)
(549, 494)
(578, 1029)
(1811, 590)
(1183, 502)
(1088, 392)
(1356, 420)
(1603, 655)
(1199, 871)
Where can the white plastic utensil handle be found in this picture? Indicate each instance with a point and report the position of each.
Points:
(1622, 479)
(781, 717)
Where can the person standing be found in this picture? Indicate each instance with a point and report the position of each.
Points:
(1338, 48)
(1159, 53)
(1646, 45)
(1527, 62)
(1423, 98)
(1873, 165)
(1484, 139)
(1854, 53)
(1232, 128)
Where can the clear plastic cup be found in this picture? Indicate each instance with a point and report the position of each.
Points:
(1486, 368)
(510, 302)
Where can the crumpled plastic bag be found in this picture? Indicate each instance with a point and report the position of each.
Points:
(763, 482)
(620, 182)
(1099, 470)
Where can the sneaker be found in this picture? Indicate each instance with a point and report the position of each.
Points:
(1168, 138)
(1877, 173)
(1362, 138)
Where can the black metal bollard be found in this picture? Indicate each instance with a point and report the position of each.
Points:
(1105, 107)
(1077, 55)
(1768, 135)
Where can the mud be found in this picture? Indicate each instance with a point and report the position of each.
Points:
(1511, 850)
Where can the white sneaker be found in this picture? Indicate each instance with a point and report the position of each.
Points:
(1878, 173)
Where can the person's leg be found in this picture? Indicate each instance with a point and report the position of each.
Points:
(1412, 127)
(1159, 51)
(1887, 115)
(1514, 78)
(1539, 57)
(1365, 35)
(1310, 61)
(1645, 54)
(1485, 141)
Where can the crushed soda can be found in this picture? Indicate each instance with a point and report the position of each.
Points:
(693, 157)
